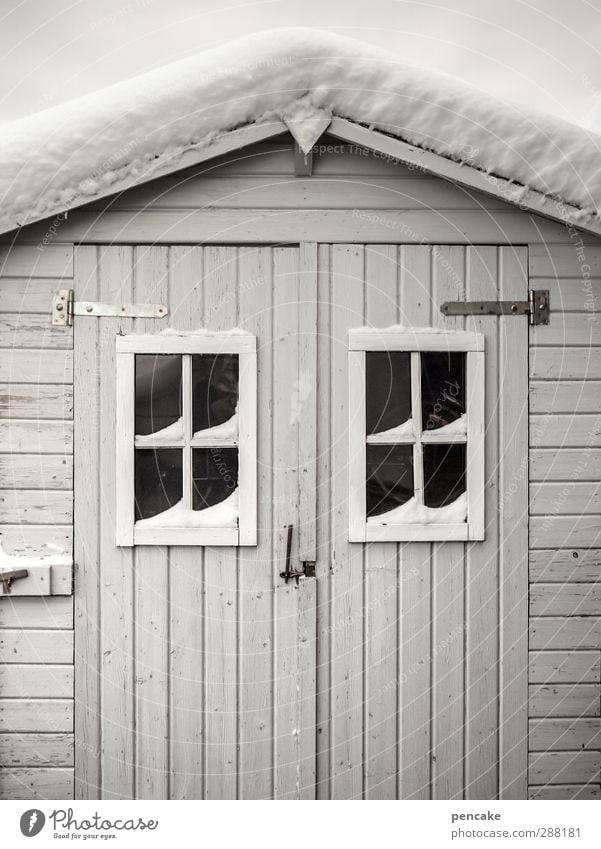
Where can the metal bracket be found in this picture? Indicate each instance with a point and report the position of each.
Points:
(6, 578)
(64, 307)
(536, 307)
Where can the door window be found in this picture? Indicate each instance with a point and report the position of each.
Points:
(416, 464)
(186, 439)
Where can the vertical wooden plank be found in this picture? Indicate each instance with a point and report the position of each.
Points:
(124, 449)
(448, 584)
(414, 579)
(324, 492)
(221, 567)
(247, 449)
(513, 542)
(86, 533)
(482, 595)
(255, 644)
(286, 512)
(346, 558)
(307, 500)
(381, 576)
(151, 589)
(116, 564)
(186, 580)
(357, 446)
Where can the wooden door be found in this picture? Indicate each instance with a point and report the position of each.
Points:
(196, 666)
(400, 671)
(422, 647)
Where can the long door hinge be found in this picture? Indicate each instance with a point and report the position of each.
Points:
(536, 307)
(64, 307)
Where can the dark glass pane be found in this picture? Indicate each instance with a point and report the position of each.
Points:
(214, 389)
(214, 475)
(443, 388)
(158, 480)
(444, 474)
(388, 389)
(389, 477)
(158, 391)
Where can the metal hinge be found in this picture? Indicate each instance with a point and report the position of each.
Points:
(536, 307)
(64, 307)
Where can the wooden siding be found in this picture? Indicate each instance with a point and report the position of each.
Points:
(36, 508)
(234, 201)
(565, 525)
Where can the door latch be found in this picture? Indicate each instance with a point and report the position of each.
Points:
(308, 566)
(6, 578)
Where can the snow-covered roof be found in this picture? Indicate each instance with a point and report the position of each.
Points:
(68, 155)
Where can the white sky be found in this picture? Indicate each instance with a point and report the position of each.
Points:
(542, 53)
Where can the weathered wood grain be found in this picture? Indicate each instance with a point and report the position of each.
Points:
(565, 531)
(37, 783)
(31, 436)
(36, 401)
(36, 260)
(36, 471)
(549, 565)
(575, 329)
(33, 331)
(565, 791)
(559, 464)
(556, 363)
(554, 667)
(36, 366)
(565, 396)
(23, 715)
(557, 734)
(565, 600)
(563, 767)
(36, 681)
(36, 750)
(575, 632)
(560, 261)
(567, 431)
(35, 539)
(35, 646)
(41, 507)
(563, 700)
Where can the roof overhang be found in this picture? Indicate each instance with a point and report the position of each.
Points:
(393, 149)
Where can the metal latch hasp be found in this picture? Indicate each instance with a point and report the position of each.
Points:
(536, 307)
(64, 307)
(7, 578)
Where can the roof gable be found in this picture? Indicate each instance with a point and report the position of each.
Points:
(304, 80)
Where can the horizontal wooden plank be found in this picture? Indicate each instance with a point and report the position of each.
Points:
(33, 400)
(36, 471)
(569, 497)
(553, 260)
(558, 734)
(571, 294)
(563, 767)
(36, 681)
(34, 750)
(560, 465)
(561, 667)
(41, 507)
(37, 783)
(568, 329)
(565, 599)
(333, 191)
(36, 260)
(35, 646)
(232, 226)
(28, 295)
(565, 363)
(559, 431)
(565, 531)
(50, 612)
(563, 700)
(36, 366)
(565, 396)
(571, 632)
(36, 436)
(24, 330)
(22, 715)
(559, 565)
(565, 791)
(35, 539)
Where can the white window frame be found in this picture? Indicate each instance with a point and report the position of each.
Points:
(245, 346)
(414, 342)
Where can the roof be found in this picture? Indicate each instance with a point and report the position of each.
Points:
(131, 132)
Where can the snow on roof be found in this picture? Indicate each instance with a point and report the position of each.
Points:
(67, 155)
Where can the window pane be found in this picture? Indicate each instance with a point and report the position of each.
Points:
(158, 391)
(215, 389)
(158, 480)
(388, 389)
(214, 475)
(389, 477)
(443, 388)
(444, 474)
